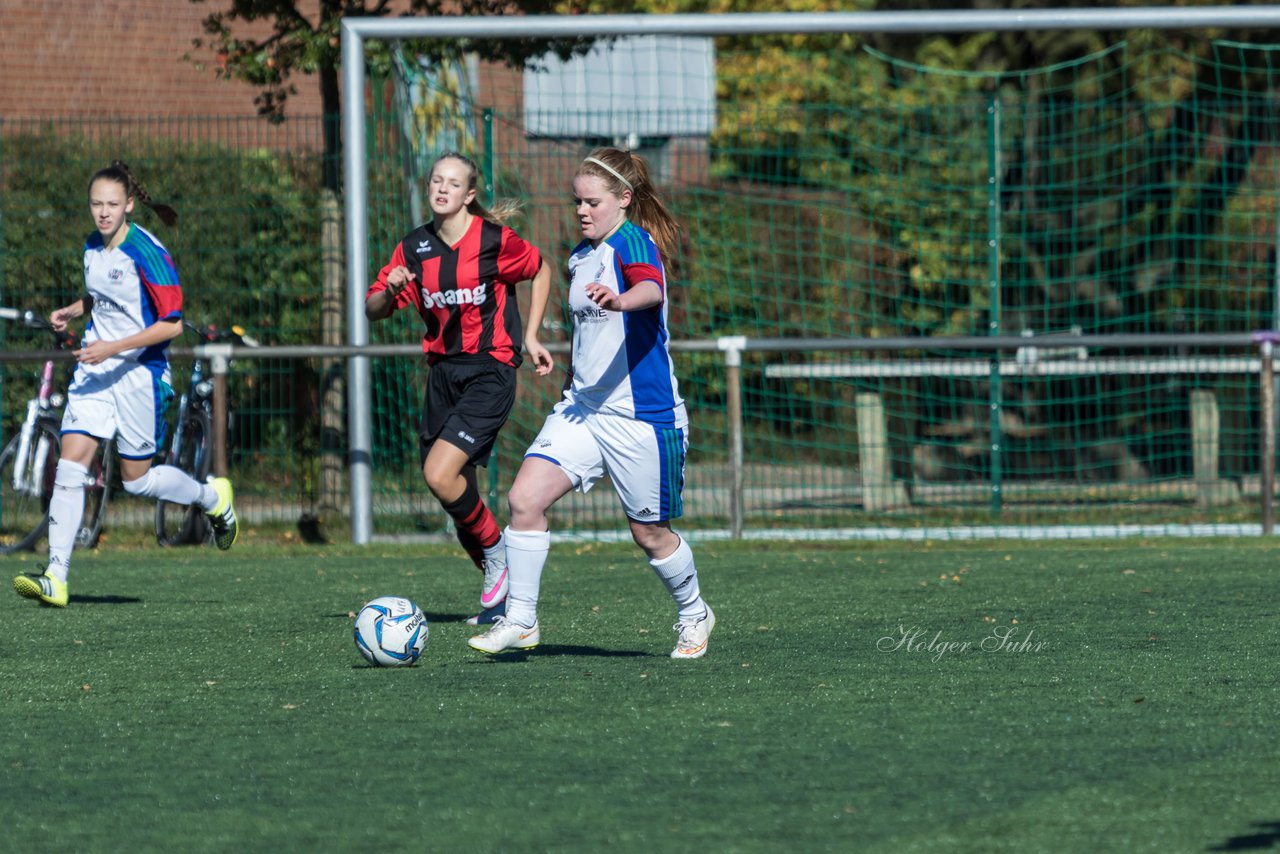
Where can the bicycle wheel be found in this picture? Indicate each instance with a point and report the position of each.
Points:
(178, 524)
(25, 491)
(97, 494)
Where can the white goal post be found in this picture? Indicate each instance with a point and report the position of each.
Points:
(355, 31)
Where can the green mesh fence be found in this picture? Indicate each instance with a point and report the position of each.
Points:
(839, 193)
(848, 194)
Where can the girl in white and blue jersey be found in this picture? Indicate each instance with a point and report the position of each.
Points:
(121, 385)
(621, 414)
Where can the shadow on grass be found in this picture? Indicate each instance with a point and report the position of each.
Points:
(447, 618)
(543, 650)
(103, 600)
(1268, 836)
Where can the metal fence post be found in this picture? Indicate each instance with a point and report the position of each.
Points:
(993, 290)
(732, 346)
(219, 356)
(490, 179)
(1267, 464)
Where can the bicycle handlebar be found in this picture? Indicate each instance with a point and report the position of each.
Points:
(208, 334)
(216, 334)
(34, 320)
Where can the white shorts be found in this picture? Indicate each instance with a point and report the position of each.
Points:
(126, 402)
(644, 461)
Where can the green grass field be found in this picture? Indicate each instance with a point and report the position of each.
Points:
(854, 698)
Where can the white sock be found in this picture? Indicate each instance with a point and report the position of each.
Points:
(66, 510)
(681, 579)
(526, 555)
(497, 551)
(167, 483)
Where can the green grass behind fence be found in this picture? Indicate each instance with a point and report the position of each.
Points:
(981, 697)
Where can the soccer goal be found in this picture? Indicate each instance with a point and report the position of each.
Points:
(1032, 178)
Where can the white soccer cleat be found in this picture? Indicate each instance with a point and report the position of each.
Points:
(506, 635)
(692, 642)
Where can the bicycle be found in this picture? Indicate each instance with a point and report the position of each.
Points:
(191, 446)
(29, 460)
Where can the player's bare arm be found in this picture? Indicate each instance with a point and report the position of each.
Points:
(540, 355)
(643, 295)
(62, 316)
(380, 305)
(99, 351)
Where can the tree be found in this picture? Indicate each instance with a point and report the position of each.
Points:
(305, 38)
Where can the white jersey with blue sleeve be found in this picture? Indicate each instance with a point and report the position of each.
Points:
(132, 286)
(621, 365)
(125, 396)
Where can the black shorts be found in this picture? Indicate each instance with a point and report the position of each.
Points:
(468, 400)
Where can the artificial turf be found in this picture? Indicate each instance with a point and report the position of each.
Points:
(932, 697)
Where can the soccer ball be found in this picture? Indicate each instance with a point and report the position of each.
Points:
(391, 631)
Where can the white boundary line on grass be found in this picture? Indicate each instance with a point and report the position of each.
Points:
(912, 535)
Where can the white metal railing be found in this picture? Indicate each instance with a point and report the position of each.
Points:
(732, 349)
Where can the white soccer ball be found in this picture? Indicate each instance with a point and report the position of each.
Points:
(391, 631)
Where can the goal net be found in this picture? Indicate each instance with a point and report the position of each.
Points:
(932, 182)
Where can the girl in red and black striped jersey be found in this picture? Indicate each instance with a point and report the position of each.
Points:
(460, 272)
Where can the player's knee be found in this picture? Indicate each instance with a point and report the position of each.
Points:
(524, 505)
(441, 483)
(443, 478)
(656, 539)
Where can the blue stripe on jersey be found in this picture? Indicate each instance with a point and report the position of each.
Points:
(645, 332)
(152, 259)
(635, 244)
(156, 267)
(647, 366)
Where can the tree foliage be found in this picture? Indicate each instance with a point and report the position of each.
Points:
(269, 43)
(297, 43)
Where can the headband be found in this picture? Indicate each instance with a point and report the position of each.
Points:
(614, 172)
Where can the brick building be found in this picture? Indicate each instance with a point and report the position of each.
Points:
(74, 61)
(121, 59)
(66, 58)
